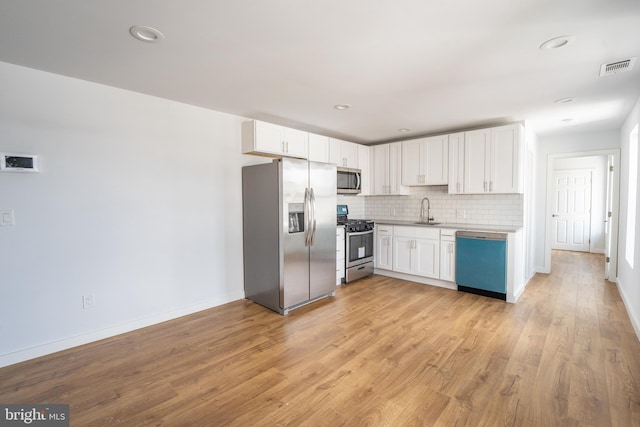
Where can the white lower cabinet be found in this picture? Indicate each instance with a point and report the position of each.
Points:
(416, 250)
(402, 251)
(384, 247)
(427, 258)
(448, 255)
(340, 254)
(428, 255)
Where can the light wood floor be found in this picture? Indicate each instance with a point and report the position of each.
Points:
(383, 352)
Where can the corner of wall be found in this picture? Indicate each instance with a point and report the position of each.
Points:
(635, 321)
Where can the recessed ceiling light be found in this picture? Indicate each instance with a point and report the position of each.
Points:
(557, 42)
(146, 34)
(403, 130)
(342, 106)
(563, 100)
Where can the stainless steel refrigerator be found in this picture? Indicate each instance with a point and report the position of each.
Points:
(289, 232)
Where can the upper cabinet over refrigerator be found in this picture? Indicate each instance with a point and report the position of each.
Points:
(271, 140)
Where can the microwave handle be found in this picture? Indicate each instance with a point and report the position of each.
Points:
(358, 182)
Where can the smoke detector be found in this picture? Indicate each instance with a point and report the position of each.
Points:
(617, 67)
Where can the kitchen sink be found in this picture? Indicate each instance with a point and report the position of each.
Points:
(427, 223)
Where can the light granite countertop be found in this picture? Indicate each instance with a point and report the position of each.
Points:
(470, 227)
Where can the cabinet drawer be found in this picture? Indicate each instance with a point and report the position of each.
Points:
(448, 235)
(417, 232)
(384, 230)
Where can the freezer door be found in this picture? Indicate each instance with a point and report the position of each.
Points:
(322, 274)
(294, 284)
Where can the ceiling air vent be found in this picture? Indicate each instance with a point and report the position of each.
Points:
(617, 67)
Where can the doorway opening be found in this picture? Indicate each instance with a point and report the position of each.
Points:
(582, 215)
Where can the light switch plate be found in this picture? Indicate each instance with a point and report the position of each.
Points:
(6, 217)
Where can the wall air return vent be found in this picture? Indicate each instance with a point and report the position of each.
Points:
(617, 67)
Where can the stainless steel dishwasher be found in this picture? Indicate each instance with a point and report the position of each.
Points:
(481, 263)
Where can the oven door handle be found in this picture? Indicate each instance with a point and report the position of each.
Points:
(359, 233)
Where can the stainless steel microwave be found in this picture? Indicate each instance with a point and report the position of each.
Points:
(349, 181)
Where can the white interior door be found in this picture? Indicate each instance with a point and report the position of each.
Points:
(571, 218)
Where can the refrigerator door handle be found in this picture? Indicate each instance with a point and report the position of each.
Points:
(307, 216)
(313, 216)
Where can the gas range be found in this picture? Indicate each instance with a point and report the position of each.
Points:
(356, 225)
(352, 225)
(359, 245)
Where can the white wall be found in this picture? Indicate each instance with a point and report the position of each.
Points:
(629, 277)
(598, 166)
(138, 202)
(570, 143)
(529, 206)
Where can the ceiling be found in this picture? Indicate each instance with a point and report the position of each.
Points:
(424, 65)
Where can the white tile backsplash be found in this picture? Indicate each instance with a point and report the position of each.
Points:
(356, 205)
(481, 209)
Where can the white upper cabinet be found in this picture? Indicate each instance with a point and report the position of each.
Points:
(387, 169)
(273, 140)
(507, 159)
(477, 144)
(364, 164)
(413, 164)
(493, 160)
(425, 161)
(318, 148)
(456, 163)
(343, 153)
(437, 158)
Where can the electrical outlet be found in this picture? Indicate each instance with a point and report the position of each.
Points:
(88, 301)
(461, 213)
(6, 217)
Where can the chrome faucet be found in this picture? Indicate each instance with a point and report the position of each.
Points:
(429, 217)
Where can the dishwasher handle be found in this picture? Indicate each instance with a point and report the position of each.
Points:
(481, 235)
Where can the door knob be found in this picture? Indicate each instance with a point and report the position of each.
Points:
(554, 215)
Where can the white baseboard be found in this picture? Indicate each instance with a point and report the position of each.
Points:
(635, 321)
(418, 279)
(85, 338)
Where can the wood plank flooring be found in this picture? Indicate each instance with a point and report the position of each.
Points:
(383, 352)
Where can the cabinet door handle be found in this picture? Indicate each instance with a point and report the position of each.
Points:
(485, 186)
(491, 186)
